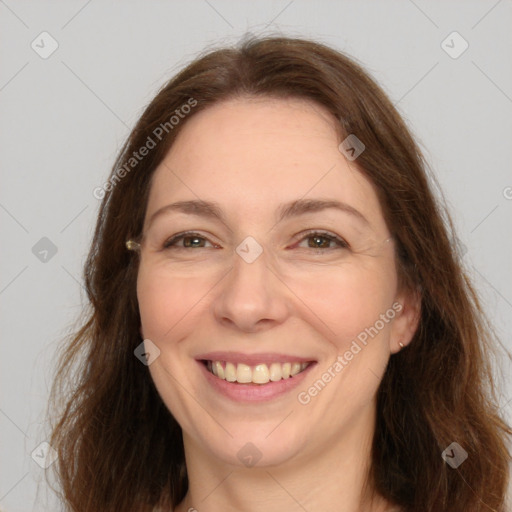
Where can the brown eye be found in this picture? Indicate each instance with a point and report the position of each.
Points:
(322, 240)
(190, 241)
(319, 242)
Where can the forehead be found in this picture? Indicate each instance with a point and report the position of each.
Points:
(254, 153)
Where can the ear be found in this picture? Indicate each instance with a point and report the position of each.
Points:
(407, 306)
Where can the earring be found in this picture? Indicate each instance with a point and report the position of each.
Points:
(132, 245)
(401, 344)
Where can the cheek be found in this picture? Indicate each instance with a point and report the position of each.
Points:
(167, 301)
(346, 300)
(357, 308)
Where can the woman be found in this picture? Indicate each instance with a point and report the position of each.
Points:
(278, 318)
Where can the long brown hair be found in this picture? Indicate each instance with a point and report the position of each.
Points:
(119, 448)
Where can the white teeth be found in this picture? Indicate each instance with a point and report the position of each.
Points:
(295, 369)
(243, 373)
(218, 369)
(230, 372)
(259, 374)
(275, 372)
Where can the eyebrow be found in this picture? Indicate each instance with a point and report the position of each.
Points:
(212, 210)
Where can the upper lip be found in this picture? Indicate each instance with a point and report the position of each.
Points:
(253, 359)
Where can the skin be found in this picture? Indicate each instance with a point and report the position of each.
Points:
(250, 155)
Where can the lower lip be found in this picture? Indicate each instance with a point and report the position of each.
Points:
(254, 392)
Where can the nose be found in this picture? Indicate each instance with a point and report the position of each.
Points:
(252, 297)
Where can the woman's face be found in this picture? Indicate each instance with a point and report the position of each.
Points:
(274, 274)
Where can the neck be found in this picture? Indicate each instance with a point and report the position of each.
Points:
(331, 477)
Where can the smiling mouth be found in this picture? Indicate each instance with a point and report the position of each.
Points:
(258, 374)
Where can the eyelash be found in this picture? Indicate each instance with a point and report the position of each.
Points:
(342, 244)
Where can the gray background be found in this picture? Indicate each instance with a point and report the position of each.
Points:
(62, 120)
